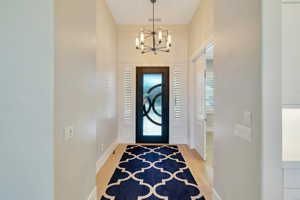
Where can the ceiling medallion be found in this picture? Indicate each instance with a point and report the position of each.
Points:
(155, 40)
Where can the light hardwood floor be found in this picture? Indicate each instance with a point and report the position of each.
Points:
(193, 160)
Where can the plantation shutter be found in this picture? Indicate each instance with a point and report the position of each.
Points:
(210, 88)
(128, 94)
(177, 93)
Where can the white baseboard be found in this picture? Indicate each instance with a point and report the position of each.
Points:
(126, 140)
(200, 152)
(178, 140)
(105, 156)
(93, 194)
(210, 174)
(197, 148)
(216, 196)
(191, 145)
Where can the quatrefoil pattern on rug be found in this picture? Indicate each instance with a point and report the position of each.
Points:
(152, 172)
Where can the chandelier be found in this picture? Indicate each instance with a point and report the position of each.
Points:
(155, 40)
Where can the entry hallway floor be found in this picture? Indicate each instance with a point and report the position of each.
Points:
(153, 172)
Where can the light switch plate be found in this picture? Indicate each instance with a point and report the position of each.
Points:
(243, 132)
(69, 133)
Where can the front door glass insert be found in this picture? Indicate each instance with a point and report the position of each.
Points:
(152, 104)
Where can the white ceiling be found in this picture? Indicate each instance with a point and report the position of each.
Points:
(140, 11)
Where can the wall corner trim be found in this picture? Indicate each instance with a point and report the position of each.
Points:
(216, 196)
(93, 194)
(105, 156)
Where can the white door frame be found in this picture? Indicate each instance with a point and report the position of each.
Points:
(192, 103)
(178, 133)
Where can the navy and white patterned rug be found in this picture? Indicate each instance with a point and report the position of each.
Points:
(152, 172)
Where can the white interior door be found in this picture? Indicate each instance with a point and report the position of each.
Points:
(200, 114)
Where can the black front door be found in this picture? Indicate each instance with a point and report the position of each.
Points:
(152, 105)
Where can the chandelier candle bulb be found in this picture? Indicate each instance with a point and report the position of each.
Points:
(160, 36)
(142, 37)
(137, 43)
(169, 39)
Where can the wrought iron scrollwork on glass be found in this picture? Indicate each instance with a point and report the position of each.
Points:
(151, 101)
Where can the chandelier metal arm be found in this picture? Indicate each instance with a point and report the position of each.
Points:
(160, 48)
(146, 51)
(148, 35)
(164, 50)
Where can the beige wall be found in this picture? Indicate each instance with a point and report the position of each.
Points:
(85, 89)
(271, 176)
(106, 105)
(240, 170)
(290, 54)
(201, 33)
(75, 98)
(201, 28)
(237, 65)
(26, 103)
